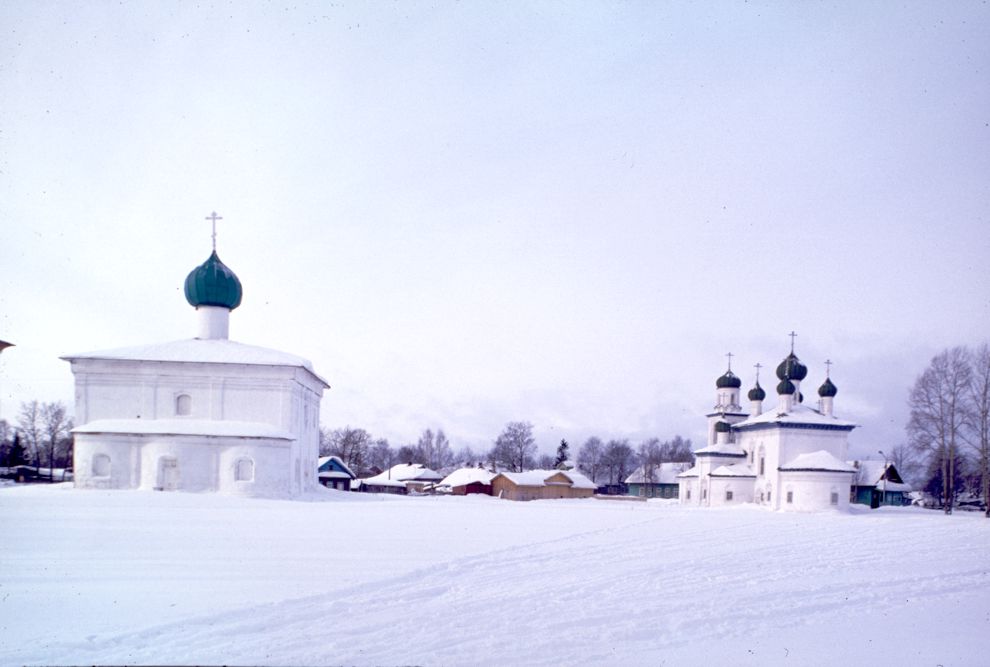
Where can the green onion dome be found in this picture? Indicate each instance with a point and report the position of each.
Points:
(757, 393)
(212, 283)
(722, 427)
(791, 368)
(785, 387)
(827, 390)
(728, 380)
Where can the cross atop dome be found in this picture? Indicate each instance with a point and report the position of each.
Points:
(213, 217)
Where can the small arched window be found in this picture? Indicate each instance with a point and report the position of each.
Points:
(101, 465)
(183, 405)
(244, 470)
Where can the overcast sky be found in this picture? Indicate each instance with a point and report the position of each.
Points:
(470, 213)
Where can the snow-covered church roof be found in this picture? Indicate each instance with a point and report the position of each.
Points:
(821, 460)
(198, 350)
(734, 470)
(798, 416)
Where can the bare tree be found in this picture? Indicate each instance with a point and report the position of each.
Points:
(515, 446)
(350, 444)
(590, 457)
(433, 449)
(978, 419)
(650, 457)
(408, 454)
(55, 425)
(466, 457)
(380, 455)
(938, 414)
(618, 459)
(29, 422)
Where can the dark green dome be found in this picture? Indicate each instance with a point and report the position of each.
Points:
(785, 387)
(728, 380)
(757, 393)
(827, 390)
(213, 284)
(791, 368)
(722, 427)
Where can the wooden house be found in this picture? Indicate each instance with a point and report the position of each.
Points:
(465, 481)
(878, 483)
(334, 473)
(542, 484)
(658, 482)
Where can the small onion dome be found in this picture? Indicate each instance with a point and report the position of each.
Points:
(791, 368)
(757, 393)
(728, 380)
(213, 284)
(785, 387)
(827, 390)
(722, 427)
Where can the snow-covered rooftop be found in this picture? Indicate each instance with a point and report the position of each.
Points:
(725, 449)
(405, 472)
(540, 477)
(323, 460)
(197, 350)
(665, 473)
(820, 460)
(690, 472)
(798, 414)
(871, 473)
(734, 470)
(207, 427)
(465, 476)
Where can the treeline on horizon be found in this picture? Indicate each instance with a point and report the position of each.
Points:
(514, 450)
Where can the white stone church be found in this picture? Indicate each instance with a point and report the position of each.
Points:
(201, 414)
(789, 457)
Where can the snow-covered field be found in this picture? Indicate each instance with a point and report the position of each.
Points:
(132, 577)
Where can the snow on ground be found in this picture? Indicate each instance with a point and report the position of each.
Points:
(137, 577)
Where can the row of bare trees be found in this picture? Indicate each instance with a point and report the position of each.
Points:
(949, 424)
(363, 453)
(41, 437)
(611, 462)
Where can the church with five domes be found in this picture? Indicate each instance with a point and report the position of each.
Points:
(788, 456)
(199, 414)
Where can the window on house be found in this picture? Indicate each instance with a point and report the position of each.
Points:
(768, 496)
(688, 495)
(762, 464)
(835, 498)
(244, 470)
(101, 465)
(728, 495)
(642, 490)
(704, 493)
(183, 405)
(790, 496)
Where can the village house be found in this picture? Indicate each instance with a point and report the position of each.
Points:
(878, 483)
(464, 481)
(333, 473)
(401, 479)
(542, 484)
(658, 481)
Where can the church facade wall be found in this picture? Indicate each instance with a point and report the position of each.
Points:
(814, 491)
